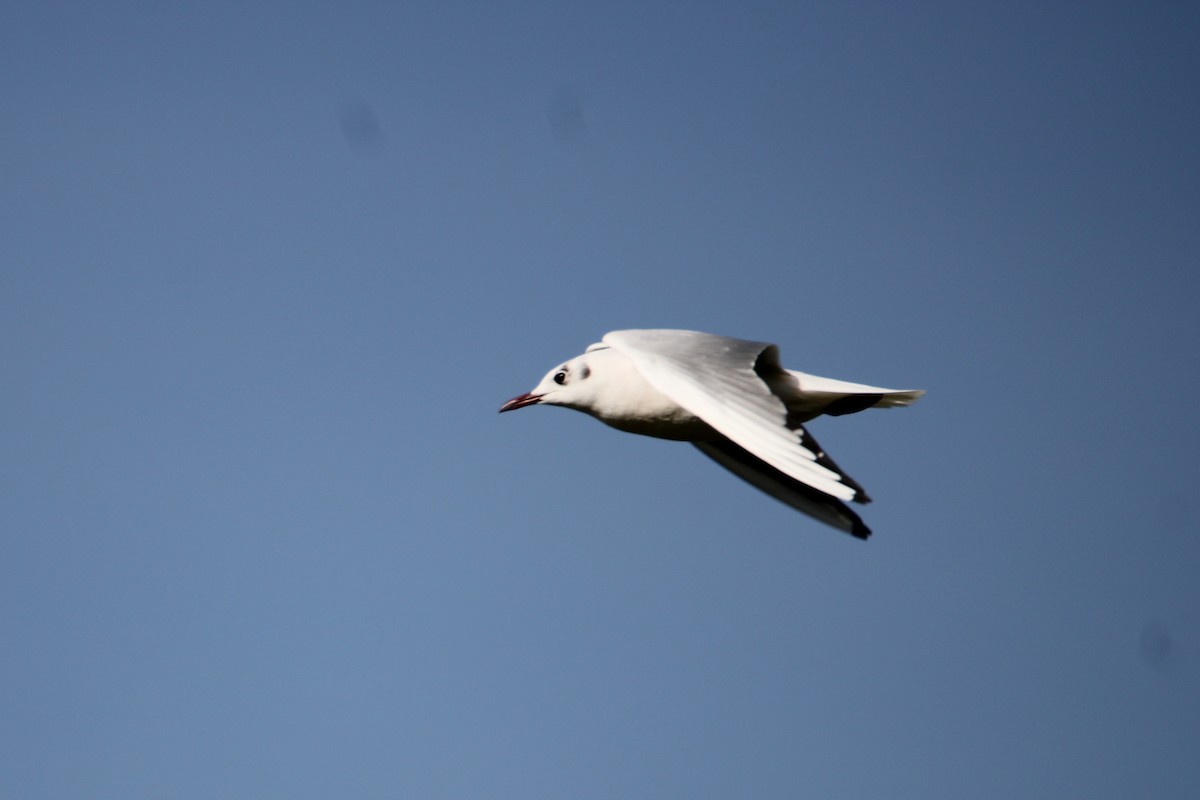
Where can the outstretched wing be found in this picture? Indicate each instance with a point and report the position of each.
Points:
(797, 494)
(717, 379)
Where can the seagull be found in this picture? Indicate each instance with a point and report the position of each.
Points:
(730, 398)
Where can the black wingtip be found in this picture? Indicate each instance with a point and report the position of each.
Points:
(786, 489)
(856, 527)
(807, 440)
(860, 530)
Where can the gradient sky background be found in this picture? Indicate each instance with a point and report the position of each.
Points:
(267, 271)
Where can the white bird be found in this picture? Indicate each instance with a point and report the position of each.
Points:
(732, 399)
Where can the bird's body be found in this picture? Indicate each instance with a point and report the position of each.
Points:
(625, 400)
(731, 399)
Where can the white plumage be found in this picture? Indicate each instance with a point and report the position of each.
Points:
(732, 399)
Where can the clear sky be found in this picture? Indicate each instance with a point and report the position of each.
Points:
(267, 271)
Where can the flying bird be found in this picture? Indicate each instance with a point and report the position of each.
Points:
(730, 398)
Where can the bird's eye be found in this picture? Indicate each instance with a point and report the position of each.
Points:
(560, 378)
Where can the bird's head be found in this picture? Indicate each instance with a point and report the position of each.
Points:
(566, 385)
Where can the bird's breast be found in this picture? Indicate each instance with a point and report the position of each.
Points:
(689, 428)
(651, 413)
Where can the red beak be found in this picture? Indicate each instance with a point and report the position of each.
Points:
(520, 401)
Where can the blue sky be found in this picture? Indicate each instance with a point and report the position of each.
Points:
(268, 270)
